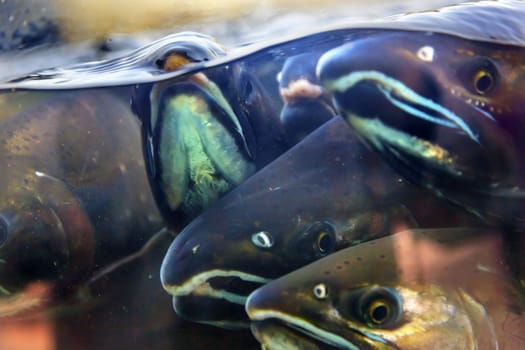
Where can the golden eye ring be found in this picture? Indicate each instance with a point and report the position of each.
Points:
(483, 81)
(379, 312)
(322, 244)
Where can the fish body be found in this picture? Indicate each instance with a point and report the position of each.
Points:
(415, 289)
(206, 133)
(327, 192)
(74, 190)
(446, 110)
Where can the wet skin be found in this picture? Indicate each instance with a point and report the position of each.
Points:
(446, 112)
(416, 289)
(206, 133)
(74, 195)
(324, 194)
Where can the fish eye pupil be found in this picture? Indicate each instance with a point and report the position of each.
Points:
(483, 81)
(379, 313)
(379, 307)
(324, 242)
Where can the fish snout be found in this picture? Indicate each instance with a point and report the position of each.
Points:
(264, 301)
(177, 262)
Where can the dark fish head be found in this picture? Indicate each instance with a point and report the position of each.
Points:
(223, 255)
(415, 289)
(45, 234)
(300, 208)
(445, 111)
(306, 105)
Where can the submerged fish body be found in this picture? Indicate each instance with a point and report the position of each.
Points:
(416, 289)
(444, 110)
(204, 134)
(74, 195)
(326, 193)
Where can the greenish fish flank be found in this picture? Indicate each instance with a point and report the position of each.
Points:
(444, 110)
(205, 133)
(416, 289)
(73, 191)
(326, 193)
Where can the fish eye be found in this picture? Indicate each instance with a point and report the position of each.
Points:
(325, 239)
(320, 291)
(172, 61)
(325, 243)
(262, 239)
(379, 308)
(483, 81)
(480, 75)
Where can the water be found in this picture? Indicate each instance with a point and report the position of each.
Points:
(82, 234)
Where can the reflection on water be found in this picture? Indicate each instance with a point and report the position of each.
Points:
(227, 171)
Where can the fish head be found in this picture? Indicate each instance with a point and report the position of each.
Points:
(445, 111)
(46, 234)
(223, 255)
(395, 292)
(298, 209)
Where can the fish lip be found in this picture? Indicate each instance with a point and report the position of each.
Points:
(310, 330)
(199, 285)
(307, 328)
(233, 317)
(402, 97)
(298, 334)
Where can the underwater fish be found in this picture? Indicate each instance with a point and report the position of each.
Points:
(443, 105)
(73, 189)
(326, 193)
(416, 289)
(206, 133)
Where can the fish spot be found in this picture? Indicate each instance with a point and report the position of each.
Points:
(346, 262)
(359, 258)
(195, 249)
(327, 273)
(339, 267)
(382, 256)
(425, 53)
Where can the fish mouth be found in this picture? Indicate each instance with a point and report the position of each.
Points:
(301, 326)
(406, 137)
(222, 292)
(273, 334)
(399, 96)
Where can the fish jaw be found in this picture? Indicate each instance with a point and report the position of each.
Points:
(275, 336)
